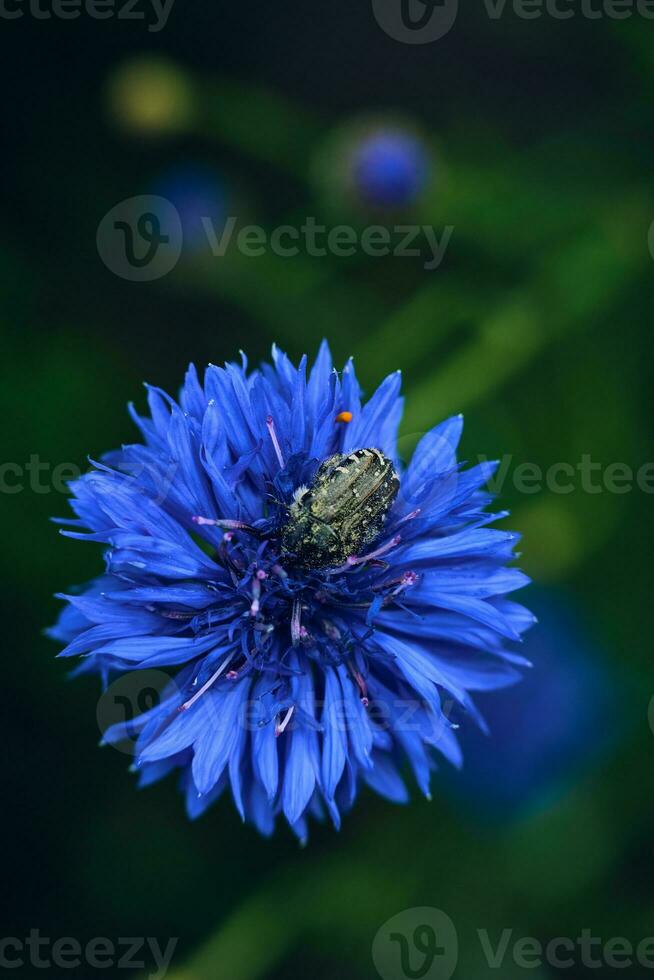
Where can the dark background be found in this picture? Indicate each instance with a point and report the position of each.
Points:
(537, 325)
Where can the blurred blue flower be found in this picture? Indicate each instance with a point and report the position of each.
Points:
(294, 682)
(389, 167)
(542, 732)
(198, 193)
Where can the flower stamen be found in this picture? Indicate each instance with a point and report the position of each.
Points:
(409, 517)
(280, 728)
(355, 560)
(270, 425)
(296, 629)
(361, 684)
(256, 596)
(407, 580)
(227, 525)
(205, 687)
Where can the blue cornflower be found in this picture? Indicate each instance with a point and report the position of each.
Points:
(389, 167)
(292, 680)
(199, 195)
(557, 723)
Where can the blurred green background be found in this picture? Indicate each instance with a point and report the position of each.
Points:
(537, 325)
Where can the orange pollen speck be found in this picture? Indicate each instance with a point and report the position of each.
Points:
(343, 417)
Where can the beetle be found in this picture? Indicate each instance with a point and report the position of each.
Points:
(343, 510)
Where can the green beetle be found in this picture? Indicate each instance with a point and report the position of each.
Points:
(343, 510)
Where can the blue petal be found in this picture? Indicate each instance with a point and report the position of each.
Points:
(386, 780)
(301, 766)
(376, 425)
(435, 454)
(220, 734)
(334, 741)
